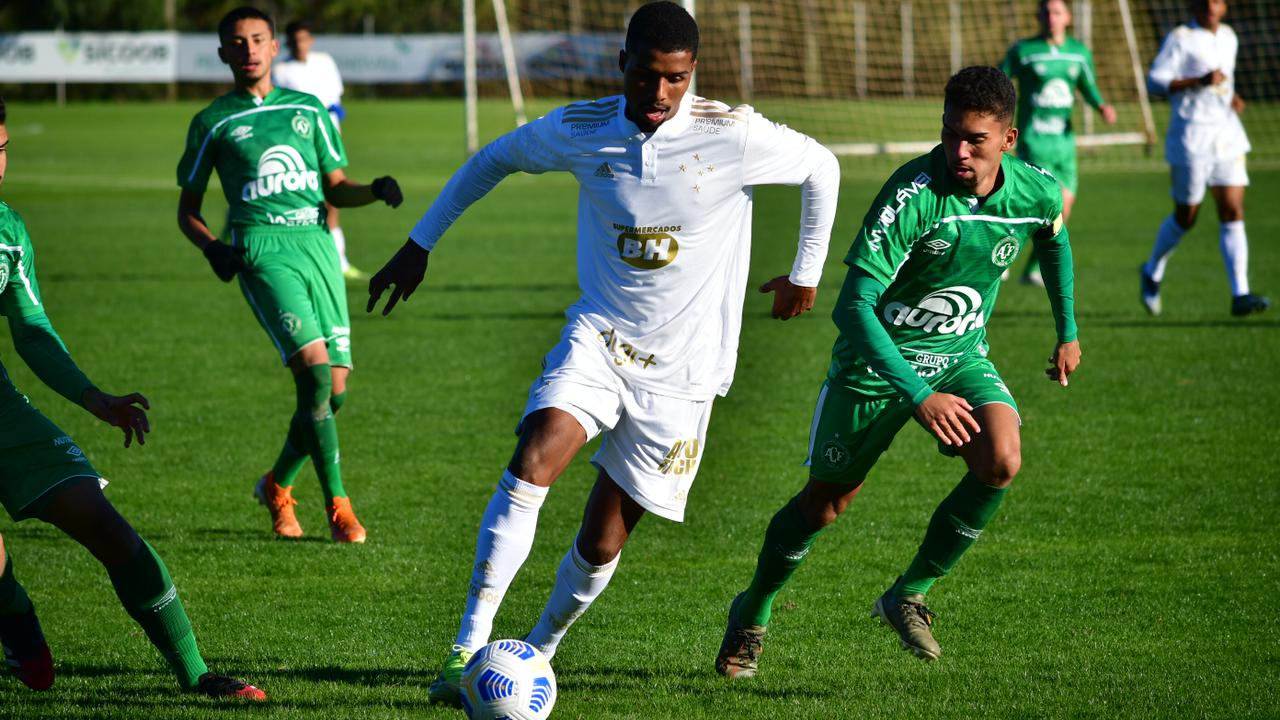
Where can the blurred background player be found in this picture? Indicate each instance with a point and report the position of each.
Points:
(315, 73)
(280, 159)
(1048, 68)
(1205, 146)
(924, 272)
(44, 475)
(664, 245)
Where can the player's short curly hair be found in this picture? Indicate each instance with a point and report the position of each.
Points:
(983, 89)
(227, 24)
(662, 26)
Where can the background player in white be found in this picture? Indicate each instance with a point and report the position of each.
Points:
(1206, 145)
(664, 231)
(315, 73)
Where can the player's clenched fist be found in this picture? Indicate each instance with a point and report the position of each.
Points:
(387, 190)
(225, 260)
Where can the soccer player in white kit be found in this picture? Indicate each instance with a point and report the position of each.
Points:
(315, 73)
(1205, 146)
(664, 235)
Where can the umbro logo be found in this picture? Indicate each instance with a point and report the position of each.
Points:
(244, 132)
(937, 246)
(604, 171)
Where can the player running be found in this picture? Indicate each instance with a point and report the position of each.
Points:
(1206, 145)
(44, 475)
(924, 272)
(280, 159)
(1048, 69)
(314, 72)
(664, 234)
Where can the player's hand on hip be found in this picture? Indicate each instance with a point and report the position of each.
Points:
(225, 259)
(948, 417)
(128, 412)
(387, 190)
(1063, 362)
(1215, 77)
(789, 300)
(404, 270)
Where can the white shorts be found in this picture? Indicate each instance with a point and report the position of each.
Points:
(1189, 181)
(652, 443)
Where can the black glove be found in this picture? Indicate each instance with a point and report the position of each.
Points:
(225, 260)
(387, 190)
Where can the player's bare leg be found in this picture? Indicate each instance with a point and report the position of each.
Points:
(1234, 245)
(141, 581)
(607, 522)
(549, 438)
(1151, 273)
(993, 457)
(791, 534)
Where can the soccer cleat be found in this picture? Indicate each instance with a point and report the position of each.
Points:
(279, 502)
(740, 650)
(1150, 291)
(343, 525)
(354, 274)
(220, 686)
(912, 620)
(1033, 277)
(25, 650)
(1249, 303)
(447, 687)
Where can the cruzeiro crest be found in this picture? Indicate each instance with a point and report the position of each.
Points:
(1005, 251)
(302, 125)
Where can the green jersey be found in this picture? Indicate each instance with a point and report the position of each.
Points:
(1047, 77)
(939, 251)
(270, 154)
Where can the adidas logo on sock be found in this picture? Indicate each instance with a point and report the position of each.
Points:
(604, 170)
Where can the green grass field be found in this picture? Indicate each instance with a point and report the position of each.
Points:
(1132, 573)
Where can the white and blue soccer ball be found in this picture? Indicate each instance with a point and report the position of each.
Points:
(508, 679)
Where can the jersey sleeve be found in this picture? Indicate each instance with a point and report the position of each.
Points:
(535, 147)
(1009, 65)
(1053, 250)
(899, 216)
(21, 295)
(197, 159)
(1164, 69)
(1088, 81)
(776, 154)
(329, 148)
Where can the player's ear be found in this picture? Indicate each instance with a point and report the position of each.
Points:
(275, 47)
(222, 56)
(1010, 137)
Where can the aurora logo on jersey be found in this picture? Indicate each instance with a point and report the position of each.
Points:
(950, 311)
(1055, 94)
(280, 169)
(889, 213)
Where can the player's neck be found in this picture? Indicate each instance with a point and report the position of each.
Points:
(984, 189)
(1056, 40)
(259, 88)
(1205, 24)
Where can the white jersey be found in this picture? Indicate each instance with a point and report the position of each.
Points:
(1203, 127)
(317, 76)
(664, 226)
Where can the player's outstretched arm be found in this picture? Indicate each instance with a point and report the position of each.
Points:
(225, 260)
(341, 191)
(404, 270)
(128, 412)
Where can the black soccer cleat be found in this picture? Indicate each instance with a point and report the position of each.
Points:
(25, 650)
(1249, 303)
(220, 686)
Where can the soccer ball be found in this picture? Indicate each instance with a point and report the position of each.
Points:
(508, 679)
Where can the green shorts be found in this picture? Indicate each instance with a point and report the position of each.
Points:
(1055, 153)
(45, 459)
(295, 287)
(851, 431)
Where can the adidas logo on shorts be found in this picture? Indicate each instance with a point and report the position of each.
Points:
(604, 171)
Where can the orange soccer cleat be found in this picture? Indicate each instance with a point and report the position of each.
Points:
(343, 525)
(221, 686)
(279, 502)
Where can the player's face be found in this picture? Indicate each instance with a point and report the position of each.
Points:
(974, 143)
(4, 151)
(1209, 12)
(1055, 17)
(300, 44)
(653, 83)
(249, 50)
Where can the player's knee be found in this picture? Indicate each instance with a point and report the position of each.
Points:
(1004, 465)
(821, 505)
(599, 551)
(315, 390)
(1185, 216)
(1230, 213)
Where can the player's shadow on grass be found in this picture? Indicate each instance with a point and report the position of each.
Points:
(233, 535)
(694, 683)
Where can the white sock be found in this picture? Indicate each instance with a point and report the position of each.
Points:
(340, 242)
(578, 584)
(1235, 255)
(506, 536)
(1166, 240)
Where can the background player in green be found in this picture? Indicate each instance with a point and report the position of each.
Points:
(924, 272)
(279, 159)
(43, 474)
(1049, 67)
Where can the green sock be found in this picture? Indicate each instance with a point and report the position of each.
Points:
(315, 397)
(148, 595)
(954, 528)
(13, 599)
(786, 543)
(295, 452)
